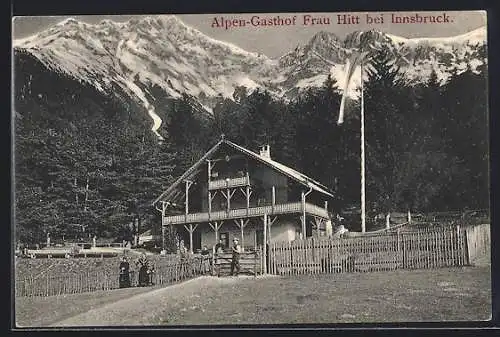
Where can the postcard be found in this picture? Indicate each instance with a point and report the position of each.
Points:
(250, 169)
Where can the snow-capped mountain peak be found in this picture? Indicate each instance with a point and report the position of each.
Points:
(164, 52)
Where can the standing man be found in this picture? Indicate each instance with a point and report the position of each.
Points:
(235, 263)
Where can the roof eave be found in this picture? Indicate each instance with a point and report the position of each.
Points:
(188, 172)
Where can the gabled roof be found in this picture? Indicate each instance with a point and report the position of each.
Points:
(293, 174)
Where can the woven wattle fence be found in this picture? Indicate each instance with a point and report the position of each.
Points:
(51, 283)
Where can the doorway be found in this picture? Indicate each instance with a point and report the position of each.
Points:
(225, 239)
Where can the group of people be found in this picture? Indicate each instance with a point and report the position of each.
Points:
(146, 270)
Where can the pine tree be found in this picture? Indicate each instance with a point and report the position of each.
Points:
(384, 132)
(466, 139)
(318, 138)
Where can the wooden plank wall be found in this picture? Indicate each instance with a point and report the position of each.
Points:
(388, 251)
(478, 240)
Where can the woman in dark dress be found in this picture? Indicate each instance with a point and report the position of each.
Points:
(143, 276)
(143, 265)
(124, 273)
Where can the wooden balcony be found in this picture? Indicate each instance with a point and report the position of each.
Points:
(277, 209)
(228, 183)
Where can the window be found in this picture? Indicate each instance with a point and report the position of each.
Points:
(259, 237)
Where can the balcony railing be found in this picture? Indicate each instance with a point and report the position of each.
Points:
(246, 212)
(228, 183)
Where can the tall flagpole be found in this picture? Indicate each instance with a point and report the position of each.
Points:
(363, 196)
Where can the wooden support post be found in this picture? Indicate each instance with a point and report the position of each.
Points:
(191, 229)
(317, 223)
(326, 206)
(188, 185)
(273, 197)
(242, 224)
(210, 199)
(216, 226)
(163, 211)
(303, 199)
(209, 169)
(248, 198)
(216, 231)
(191, 238)
(230, 195)
(242, 227)
(209, 203)
(264, 248)
(163, 238)
(409, 217)
(388, 221)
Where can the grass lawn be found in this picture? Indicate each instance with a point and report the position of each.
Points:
(399, 296)
(422, 295)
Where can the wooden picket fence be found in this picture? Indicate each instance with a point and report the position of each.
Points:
(51, 285)
(181, 271)
(387, 251)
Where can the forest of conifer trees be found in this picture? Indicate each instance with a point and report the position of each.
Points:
(85, 160)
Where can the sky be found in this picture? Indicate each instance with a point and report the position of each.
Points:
(277, 40)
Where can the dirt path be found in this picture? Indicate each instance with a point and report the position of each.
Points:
(143, 309)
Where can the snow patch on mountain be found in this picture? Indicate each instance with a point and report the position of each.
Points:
(247, 82)
(315, 81)
(151, 111)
